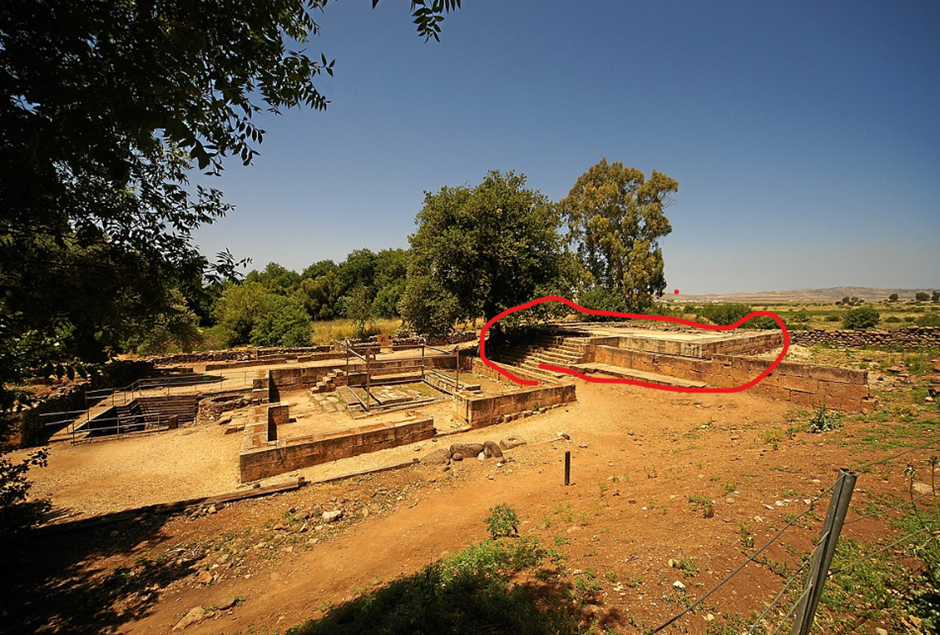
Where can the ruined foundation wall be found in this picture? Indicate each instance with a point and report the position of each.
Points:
(479, 411)
(751, 343)
(804, 384)
(261, 458)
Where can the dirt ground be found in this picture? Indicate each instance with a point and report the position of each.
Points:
(637, 457)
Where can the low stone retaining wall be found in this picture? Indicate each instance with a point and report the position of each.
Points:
(233, 355)
(743, 344)
(808, 385)
(907, 337)
(483, 410)
(262, 457)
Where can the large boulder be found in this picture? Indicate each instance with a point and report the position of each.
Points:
(437, 457)
(491, 450)
(466, 450)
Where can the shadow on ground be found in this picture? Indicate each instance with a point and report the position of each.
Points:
(489, 588)
(62, 583)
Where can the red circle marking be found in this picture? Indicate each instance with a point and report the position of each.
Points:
(635, 316)
(676, 292)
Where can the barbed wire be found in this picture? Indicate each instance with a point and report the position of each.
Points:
(899, 454)
(875, 553)
(796, 605)
(784, 589)
(751, 558)
(885, 511)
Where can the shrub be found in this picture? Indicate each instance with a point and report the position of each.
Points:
(931, 319)
(824, 421)
(725, 313)
(502, 522)
(832, 317)
(892, 319)
(600, 299)
(861, 318)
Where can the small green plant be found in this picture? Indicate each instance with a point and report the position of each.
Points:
(747, 540)
(703, 504)
(687, 566)
(635, 581)
(561, 540)
(565, 512)
(824, 421)
(654, 505)
(729, 487)
(772, 437)
(650, 471)
(502, 522)
(587, 586)
(602, 486)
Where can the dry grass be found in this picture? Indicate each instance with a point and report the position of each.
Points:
(332, 330)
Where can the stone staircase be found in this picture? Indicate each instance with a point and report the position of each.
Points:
(329, 383)
(545, 347)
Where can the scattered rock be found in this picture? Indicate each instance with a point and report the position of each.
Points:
(195, 615)
(466, 450)
(710, 618)
(880, 631)
(212, 509)
(457, 457)
(564, 435)
(729, 500)
(922, 488)
(441, 456)
(678, 585)
(591, 610)
(481, 456)
(491, 450)
(204, 577)
(511, 442)
(332, 516)
(225, 605)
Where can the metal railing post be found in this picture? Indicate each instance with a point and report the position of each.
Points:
(832, 527)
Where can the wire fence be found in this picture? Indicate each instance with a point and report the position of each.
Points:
(816, 567)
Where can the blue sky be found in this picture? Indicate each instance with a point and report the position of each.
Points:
(805, 135)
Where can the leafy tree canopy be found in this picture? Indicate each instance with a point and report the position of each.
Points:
(615, 218)
(478, 251)
(105, 108)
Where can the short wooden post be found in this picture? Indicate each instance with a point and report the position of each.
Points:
(567, 467)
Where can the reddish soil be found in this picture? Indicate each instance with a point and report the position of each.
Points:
(637, 457)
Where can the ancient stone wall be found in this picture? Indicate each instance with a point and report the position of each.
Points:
(906, 337)
(262, 457)
(483, 410)
(808, 385)
(743, 344)
(233, 355)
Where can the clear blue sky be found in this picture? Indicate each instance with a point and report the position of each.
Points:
(805, 135)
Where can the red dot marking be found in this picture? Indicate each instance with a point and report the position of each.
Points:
(676, 292)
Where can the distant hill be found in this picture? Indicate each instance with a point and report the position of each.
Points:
(833, 294)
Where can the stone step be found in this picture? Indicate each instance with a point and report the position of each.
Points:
(641, 375)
